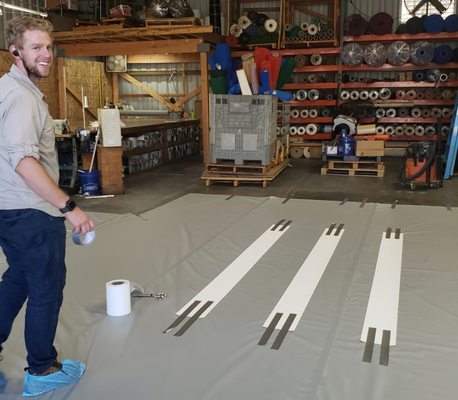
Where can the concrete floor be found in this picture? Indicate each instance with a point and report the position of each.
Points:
(302, 179)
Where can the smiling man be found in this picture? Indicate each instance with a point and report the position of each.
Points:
(33, 209)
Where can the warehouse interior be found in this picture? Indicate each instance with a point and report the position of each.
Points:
(273, 189)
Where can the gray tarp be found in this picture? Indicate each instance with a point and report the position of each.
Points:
(182, 246)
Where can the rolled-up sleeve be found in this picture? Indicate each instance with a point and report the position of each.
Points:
(22, 127)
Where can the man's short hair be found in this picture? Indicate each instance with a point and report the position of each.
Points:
(18, 25)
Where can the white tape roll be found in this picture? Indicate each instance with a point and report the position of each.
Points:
(301, 130)
(270, 25)
(83, 239)
(292, 130)
(118, 297)
(313, 113)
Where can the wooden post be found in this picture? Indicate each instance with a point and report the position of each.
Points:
(115, 87)
(61, 88)
(205, 116)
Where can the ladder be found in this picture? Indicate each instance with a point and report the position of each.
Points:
(452, 144)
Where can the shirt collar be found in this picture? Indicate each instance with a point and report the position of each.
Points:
(17, 74)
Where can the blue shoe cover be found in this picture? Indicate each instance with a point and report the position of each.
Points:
(35, 385)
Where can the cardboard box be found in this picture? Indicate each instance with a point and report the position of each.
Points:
(370, 148)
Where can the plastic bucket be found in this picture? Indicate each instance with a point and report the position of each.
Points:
(346, 145)
(90, 182)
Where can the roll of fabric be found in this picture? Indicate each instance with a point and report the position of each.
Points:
(446, 112)
(301, 130)
(312, 29)
(304, 26)
(385, 93)
(432, 75)
(390, 113)
(304, 113)
(311, 129)
(325, 112)
(301, 95)
(352, 54)
(345, 95)
(421, 53)
(399, 130)
(451, 23)
(443, 54)
(409, 130)
(436, 112)
(299, 59)
(373, 95)
(398, 53)
(251, 29)
(445, 130)
(354, 95)
(419, 130)
(400, 94)
(364, 94)
(313, 95)
(414, 25)
(244, 22)
(232, 40)
(375, 54)
(381, 23)
(355, 24)
(410, 95)
(426, 113)
(235, 30)
(293, 130)
(313, 113)
(316, 59)
(420, 94)
(402, 112)
(419, 76)
(443, 77)
(429, 94)
(433, 23)
(415, 112)
(379, 130)
(430, 130)
(448, 94)
(389, 130)
(380, 113)
(270, 25)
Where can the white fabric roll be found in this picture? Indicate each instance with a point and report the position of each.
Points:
(270, 25)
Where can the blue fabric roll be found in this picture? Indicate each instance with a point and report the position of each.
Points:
(434, 23)
(265, 86)
(451, 23)
(251, 29)
(443, 54)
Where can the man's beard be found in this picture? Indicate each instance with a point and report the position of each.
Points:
(34, 71)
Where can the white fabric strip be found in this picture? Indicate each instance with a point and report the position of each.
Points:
(227, 279)
(299, 292)
(382, 308)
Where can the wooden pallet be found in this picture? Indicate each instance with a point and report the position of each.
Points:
(237, 174)
(168, 22)
(353, 172)
(355, 165)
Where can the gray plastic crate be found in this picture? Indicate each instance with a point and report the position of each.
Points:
(242, 128)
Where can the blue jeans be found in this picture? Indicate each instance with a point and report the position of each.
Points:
(34, 244)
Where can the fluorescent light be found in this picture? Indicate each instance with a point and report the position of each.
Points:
(23, 9)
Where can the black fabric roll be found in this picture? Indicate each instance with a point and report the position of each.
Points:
(414, 25)
(355, 24)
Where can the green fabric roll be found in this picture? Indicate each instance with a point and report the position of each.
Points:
(286, 70)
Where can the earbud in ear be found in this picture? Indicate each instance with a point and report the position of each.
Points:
(15, 53)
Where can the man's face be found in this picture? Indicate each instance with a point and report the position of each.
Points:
(36, 54)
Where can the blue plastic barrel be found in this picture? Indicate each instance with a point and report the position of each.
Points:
(346, 145)
(90, 182)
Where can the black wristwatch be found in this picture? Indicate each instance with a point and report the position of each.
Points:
(69, 206)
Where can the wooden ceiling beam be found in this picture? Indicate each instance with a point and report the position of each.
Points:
(131, 48)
